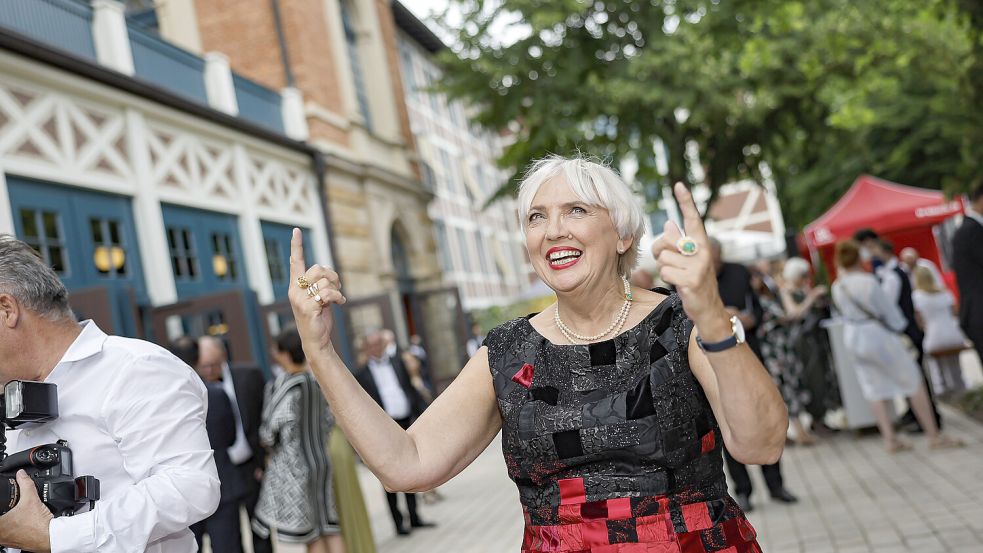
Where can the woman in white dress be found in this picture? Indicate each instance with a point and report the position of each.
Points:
(944, 340)
(885, 368)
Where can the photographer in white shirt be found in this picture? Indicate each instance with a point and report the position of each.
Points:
(132, 414)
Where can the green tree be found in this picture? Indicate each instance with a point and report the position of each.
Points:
(821, 90)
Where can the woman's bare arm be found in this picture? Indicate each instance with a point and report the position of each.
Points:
(745, 402)
(796, 310)
(446, 438)
(449, 435)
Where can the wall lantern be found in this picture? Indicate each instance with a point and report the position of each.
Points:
(220, 265)
(106, 258)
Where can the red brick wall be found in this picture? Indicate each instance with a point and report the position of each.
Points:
(245, 31)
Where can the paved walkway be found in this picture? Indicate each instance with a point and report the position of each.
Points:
(854, 498)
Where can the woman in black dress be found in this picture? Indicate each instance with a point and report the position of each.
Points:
(614, 403)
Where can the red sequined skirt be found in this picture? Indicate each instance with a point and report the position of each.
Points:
(610, 526)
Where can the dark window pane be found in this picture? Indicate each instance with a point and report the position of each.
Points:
(28, 220)
(175, 266)
(186, 234)
(56, 259)
(233, 273)
(192, 267)
(114, 236)
(171, 238)
(50, 225)
(95, 228)
(121, 270)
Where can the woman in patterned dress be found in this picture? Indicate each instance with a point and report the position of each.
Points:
(612, 416)
(806, 307)
(296, 498)
(780, 357)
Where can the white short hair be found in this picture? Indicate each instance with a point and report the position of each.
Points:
(595, 184)
(795, 268)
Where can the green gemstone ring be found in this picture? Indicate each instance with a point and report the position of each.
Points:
(687, 246)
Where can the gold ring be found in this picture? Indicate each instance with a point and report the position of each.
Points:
(687, 246)
(303, 283)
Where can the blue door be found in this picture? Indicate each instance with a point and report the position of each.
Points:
(206, 258)
(205, 253)
(88, 238)
(276, 242)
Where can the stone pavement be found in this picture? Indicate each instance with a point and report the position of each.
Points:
(854, 497)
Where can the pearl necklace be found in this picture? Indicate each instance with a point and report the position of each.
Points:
(615, 326)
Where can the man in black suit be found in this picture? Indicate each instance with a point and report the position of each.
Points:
(385, 379)
(967, 262)
(734, 282)
(243, 385)
(222, 527)
(896, 284)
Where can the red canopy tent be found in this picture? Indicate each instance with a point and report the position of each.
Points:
(902, 214)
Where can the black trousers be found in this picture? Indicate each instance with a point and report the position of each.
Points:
(391, 497)
(222, 529)
(247, 471)
(742, 480)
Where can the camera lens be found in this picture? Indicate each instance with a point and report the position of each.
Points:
(9, 493)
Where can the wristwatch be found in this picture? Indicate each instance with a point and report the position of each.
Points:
(736, 339)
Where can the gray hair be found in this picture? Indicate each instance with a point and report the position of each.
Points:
(25, 276)
(794, 269)
(595, 184)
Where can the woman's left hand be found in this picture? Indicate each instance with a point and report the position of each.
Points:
(694, 276)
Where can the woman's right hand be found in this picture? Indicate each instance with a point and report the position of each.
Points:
(314, 318)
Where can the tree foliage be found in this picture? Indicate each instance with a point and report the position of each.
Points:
(819, 90)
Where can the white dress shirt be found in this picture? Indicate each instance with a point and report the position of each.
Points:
(890, 279)
(239, 452)
(393, 397)
(134, 417)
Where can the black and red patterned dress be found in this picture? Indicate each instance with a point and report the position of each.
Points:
(613, 445)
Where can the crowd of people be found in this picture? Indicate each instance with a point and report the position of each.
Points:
(624, 427)
(880, 297)
(182, 442)
(277, 452)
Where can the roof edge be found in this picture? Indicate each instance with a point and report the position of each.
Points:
(27, 47)
(416, 29)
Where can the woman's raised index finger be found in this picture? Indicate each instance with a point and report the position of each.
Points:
(297, 267)
(692, 222)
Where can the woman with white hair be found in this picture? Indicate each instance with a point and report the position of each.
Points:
(613, 411)
(805, 307)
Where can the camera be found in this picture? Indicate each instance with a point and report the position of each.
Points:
(49, 465)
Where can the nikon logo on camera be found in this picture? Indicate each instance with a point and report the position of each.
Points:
(14, 495)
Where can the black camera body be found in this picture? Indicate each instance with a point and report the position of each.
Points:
(49, 465)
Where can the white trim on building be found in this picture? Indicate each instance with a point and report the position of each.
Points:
(136, 148)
